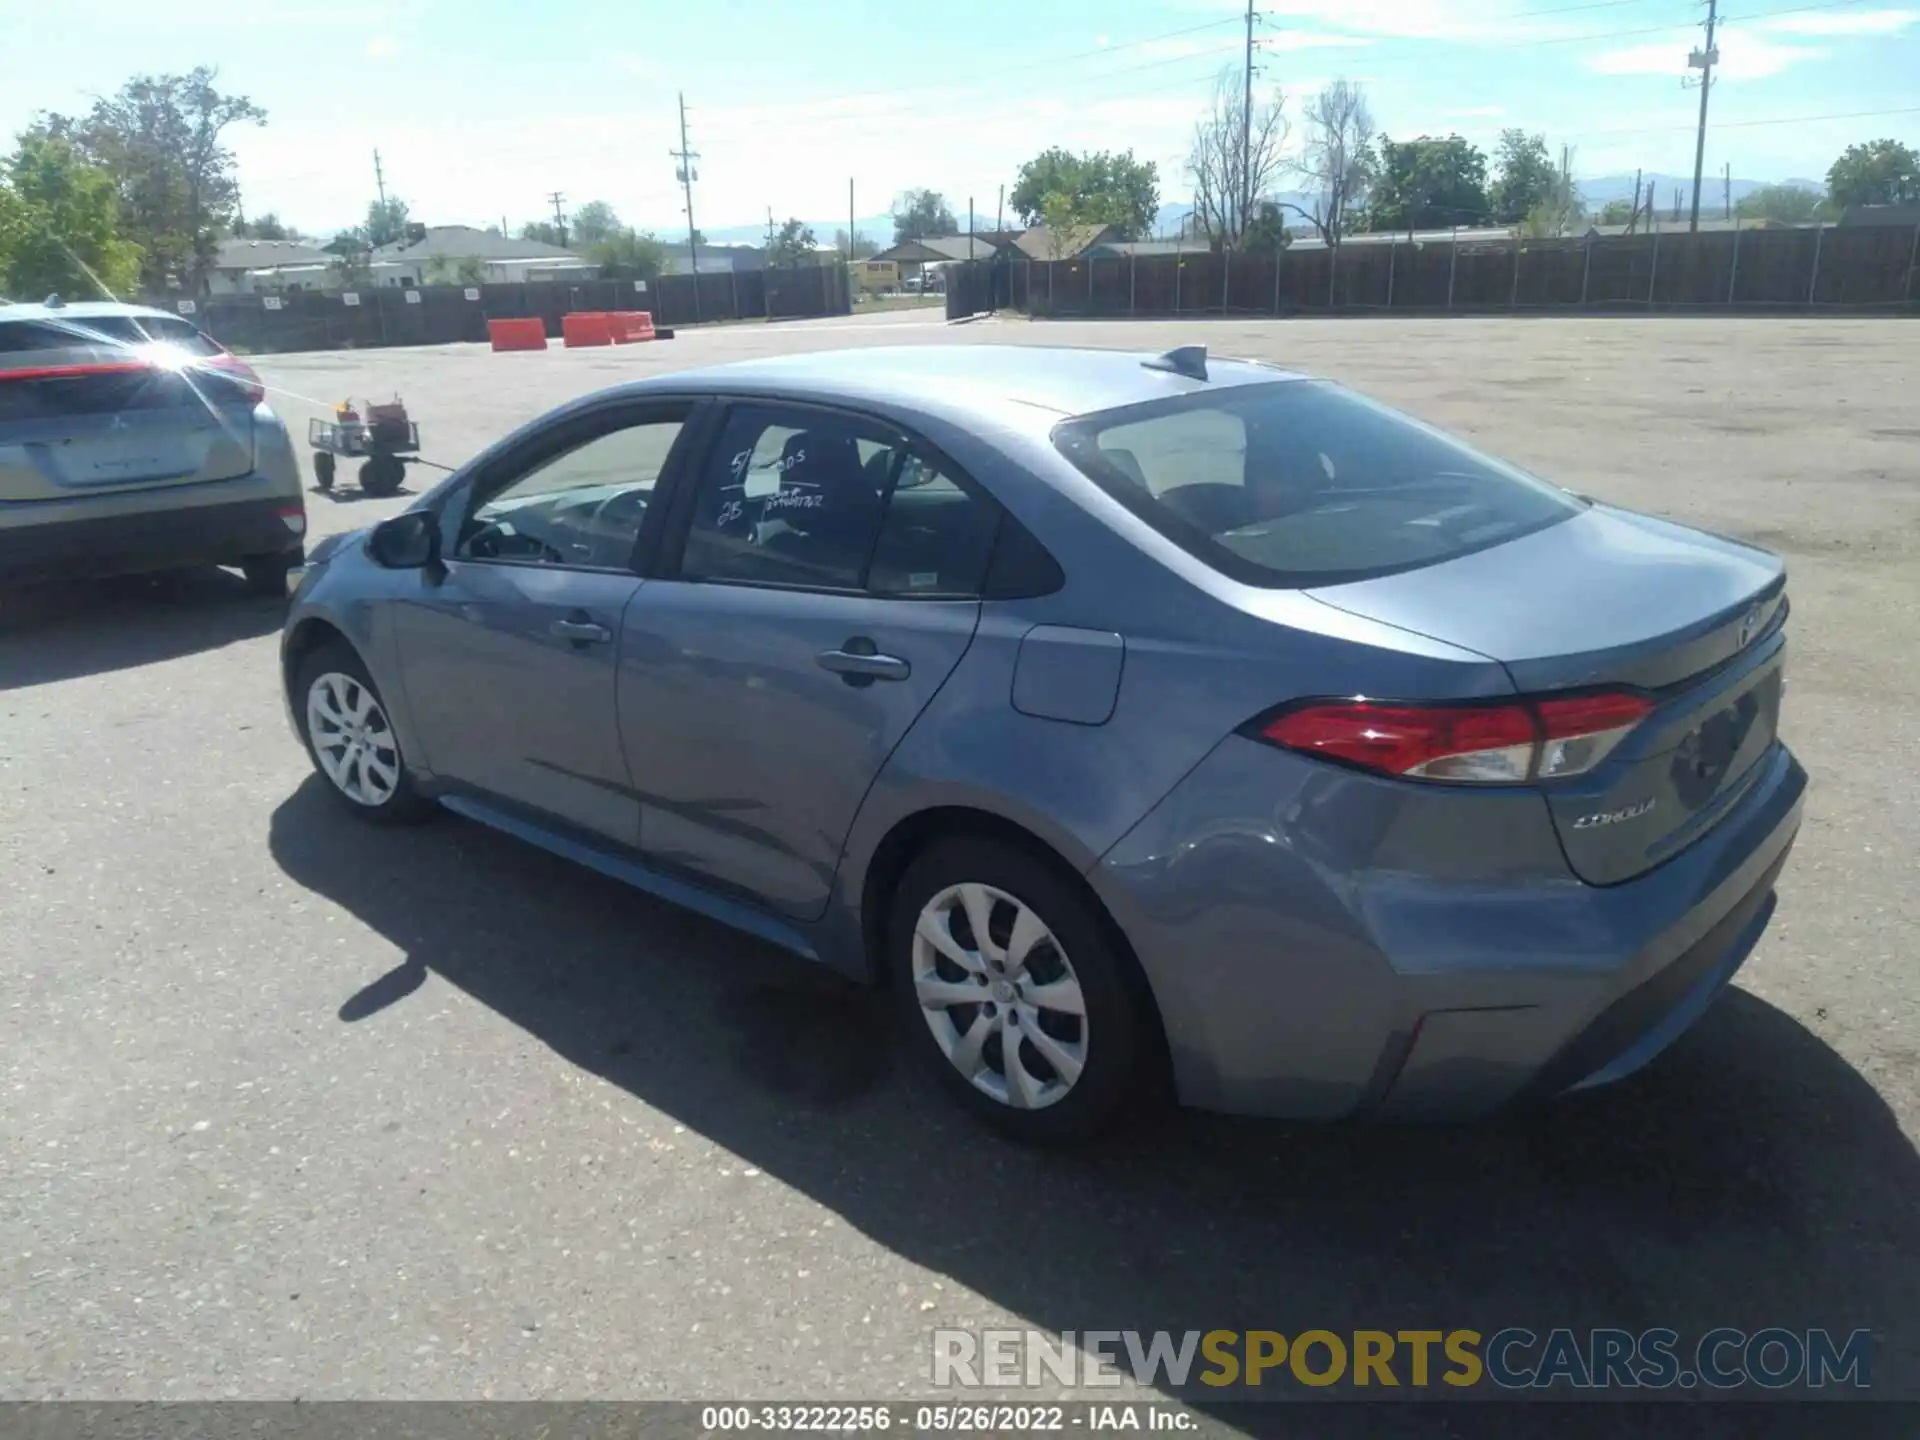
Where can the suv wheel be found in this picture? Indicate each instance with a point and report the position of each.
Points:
(351, 740)
(1011, 990)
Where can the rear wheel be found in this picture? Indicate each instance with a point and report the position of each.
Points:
(1010, 988)
(351, 739)
(323, 469)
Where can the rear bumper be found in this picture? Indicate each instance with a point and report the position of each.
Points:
(94, 547)
(1311, 959)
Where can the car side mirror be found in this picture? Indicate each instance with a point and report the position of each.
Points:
(406, 542)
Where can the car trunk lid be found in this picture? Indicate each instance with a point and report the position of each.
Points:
(83, 418)
(1607, 599)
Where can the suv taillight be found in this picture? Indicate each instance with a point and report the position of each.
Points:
(1506, 743)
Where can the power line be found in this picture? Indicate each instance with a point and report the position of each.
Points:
(1680, 25)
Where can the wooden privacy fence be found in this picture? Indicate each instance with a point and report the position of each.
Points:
(442, 314)
(1865, 268)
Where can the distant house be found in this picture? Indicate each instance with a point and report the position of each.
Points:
(911, 257)
(717, 259)
(1144, 249)
(436, 259)
(1041, 243)
(1907, 217)
(256, 267)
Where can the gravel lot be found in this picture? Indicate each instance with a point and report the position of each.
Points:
(289, 1107)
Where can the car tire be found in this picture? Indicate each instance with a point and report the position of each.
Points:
(382, 476)
(1042, 1098)
(267, 574)
(333, 692)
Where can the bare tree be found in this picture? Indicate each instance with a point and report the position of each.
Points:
(1235, 159)
(1337, 158)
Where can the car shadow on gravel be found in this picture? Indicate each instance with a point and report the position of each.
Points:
(67, 629)
(1750, 1178)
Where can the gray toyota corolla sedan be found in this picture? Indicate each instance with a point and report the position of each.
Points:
(1126, 715)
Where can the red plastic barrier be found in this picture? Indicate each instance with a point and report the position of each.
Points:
(586, 327)
(529, 334)
(631, 325)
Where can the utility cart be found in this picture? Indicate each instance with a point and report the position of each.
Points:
(381, 436)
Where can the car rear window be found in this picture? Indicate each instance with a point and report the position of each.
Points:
(21, 338)
(1303, 483)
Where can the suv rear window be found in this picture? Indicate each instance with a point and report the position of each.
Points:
(21, 337)
(1303, 483)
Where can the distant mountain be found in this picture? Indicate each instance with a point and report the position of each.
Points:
(1602, 189)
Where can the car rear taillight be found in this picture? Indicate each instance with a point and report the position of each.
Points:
(1507, 743)
(294, 517)
(243, 376)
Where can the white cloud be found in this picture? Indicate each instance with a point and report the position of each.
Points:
(1863, 22)
(1474, 112)
(382, 47)
(1488, 21)
(1743, 56)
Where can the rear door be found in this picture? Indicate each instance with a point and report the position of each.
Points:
(827, 585)
(108, 404)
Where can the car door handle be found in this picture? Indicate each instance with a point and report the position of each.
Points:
(855, 667)
(580, 632)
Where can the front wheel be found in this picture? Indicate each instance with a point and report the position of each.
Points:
(382, 476)
(323, 467)
(1010, 988)
(351, 740)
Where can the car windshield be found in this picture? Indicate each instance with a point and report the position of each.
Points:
(1300, 483)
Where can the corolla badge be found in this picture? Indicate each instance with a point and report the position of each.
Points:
(1614, 817)
(1749, 627)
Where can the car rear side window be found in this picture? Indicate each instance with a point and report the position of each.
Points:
(1303, 483)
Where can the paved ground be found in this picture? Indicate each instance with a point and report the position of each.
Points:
(292, 1108)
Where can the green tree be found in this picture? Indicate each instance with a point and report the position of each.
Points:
(1428, 183)
(1781, 204)
(594, 223)
(160, 137)
(1880, 172)
(630, 255)
(793, 246)
(386, 221)
(920, 213)
(267, 227)
(545, 231)
(472, 270)
(59, 225)
(861, 248)
(1525, 178)
(355, 260)
(1106, 188)
(1616, 212)
(1266, 233)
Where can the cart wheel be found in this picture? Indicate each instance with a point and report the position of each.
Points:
(323, 469)
(382, 475)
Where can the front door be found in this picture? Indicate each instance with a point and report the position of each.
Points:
(827, 587)
(510, 657)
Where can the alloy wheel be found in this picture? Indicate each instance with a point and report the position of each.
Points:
(1000, 996)
(352, 739)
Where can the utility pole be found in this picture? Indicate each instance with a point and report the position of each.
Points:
(379, 180)
(852, 234)
(1246, 133)
(559, 214)
(1633, 221)
(769, 229)
(1703, 61)
(1726, 193)
(1000, 215)
(686, 174)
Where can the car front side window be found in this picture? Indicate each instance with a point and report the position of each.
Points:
(580, 509)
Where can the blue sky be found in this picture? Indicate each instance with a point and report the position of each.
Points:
(479, 108)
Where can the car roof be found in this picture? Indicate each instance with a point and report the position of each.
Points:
(80, 310)
(957, 380)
